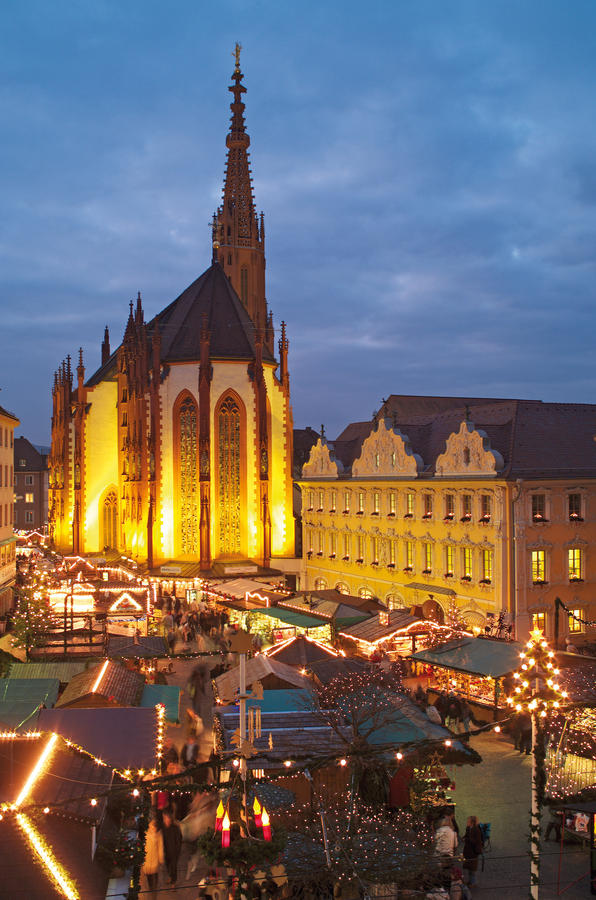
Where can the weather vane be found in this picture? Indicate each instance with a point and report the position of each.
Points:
(236, 55)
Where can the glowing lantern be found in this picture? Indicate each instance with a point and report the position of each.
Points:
(256, 808)
(219, 814)
(265, 824)
(225, 831)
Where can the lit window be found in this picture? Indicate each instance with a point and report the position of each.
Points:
(376, 503)
(333, 542)
(29, 498)
(466, 507)
(466, 561)
(428, 506)
(409, 554)
(485, 508)
(360, 545)
(22, 463)
(449, 560)
(346, 501)
(320, 543)
(311, 500)
(574, 505)
(392, 504)
(538, 566)
(360, 501)
(539, 621)
(346, 546)
(428, 558)
(321, 499)
(375, 550)
(575, 623)
(365, 593)
(342, 588)
(487, 565)
(449, 506)
(538, 507)
(377, 460)
(392, 552)
(333, 501)
(576, 559)
(320, 584)
(409, 505)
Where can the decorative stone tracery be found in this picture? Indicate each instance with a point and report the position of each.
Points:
(468, 452)
(387, 452)
(321, 463)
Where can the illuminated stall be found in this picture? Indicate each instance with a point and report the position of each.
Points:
(392, 631)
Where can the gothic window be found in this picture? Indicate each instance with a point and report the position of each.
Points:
(187, 475)
(229, 477)
(110, 521)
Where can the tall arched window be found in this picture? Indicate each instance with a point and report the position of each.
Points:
(320, 584)
(229, 462)
(110, 520)
(188, 493)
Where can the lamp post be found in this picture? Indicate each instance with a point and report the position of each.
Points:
(538, 693)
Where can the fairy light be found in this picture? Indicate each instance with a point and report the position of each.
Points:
(100, 676)
(48, 860)
(34, 774)
(537, 657)
(93, 801)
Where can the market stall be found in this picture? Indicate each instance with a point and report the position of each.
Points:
(393, 631)
(473, 668)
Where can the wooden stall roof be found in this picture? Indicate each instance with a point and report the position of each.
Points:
(63, 671)
(257, 668)
(301, 652)
(373, 629)
(478, 656)
(117, 685)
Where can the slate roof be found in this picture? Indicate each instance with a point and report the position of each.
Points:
(212, 297)
(301, 652)
(121, 736)
(324, 670)
(148, 647)
(535, 439)
(117, 685)
(257, 668)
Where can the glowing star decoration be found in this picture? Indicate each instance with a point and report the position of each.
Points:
(225, 830)
(53, 868)
(35, 772)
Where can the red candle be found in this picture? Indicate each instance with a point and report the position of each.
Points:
(265, 824)
(225, 831)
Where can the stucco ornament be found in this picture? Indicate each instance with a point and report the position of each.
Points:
(321, 463)
(468, 452)
(386, 452)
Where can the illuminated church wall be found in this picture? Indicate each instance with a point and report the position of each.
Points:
(101, 458)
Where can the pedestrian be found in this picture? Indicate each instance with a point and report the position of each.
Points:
(172, 843)
(154, 855)
(465, 719)
(554, 823)
(525, 733)
(446, 842)
(459, 890)
(189, 753)
(473, 848)
(434, 715)
(420, 695)
(452, 714)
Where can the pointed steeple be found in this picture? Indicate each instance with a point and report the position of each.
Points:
(105, 347)
(240, 234)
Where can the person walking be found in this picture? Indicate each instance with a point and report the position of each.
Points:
(473, 848)
(446, 841)
(172, 842)
(154, 856)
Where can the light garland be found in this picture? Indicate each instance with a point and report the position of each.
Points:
(57, 873)
(537, 666)
(34, 774)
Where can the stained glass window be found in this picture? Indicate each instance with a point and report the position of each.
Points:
(229, 478)
(188, 488)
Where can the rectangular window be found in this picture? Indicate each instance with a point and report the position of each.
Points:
(428, 506)
(28, 480)
(392, 503)
(392, 553)
(538, 566)
(311, 501)
(346, 501)
(539, 621)
(409, 555)
(574, 506)
(575, 564)
(487, 566)
(321, 500)
(28, 516)
(538, 508)
(575, 624)
(466, 507)
(346, 543)
(360, 546)
(449, 506)
(376, 503)
(29, 498)
(428, 558)
(374, 543)
(333, 501)
(449, 560)
(485, 508)
(333, 543)
(319, 543)
(22, 463)
(360, 501)
(466, 562)
(409, 505)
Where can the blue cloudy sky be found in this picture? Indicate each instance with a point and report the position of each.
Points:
(427, 170)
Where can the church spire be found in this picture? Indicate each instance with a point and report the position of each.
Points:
(239, 234)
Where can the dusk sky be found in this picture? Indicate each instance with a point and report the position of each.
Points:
(427, 172)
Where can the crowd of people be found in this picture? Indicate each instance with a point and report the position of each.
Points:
(458, 856)
(449, 710)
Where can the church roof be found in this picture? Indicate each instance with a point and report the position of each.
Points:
(212, 298)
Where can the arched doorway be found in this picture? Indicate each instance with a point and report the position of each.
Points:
(109, 519)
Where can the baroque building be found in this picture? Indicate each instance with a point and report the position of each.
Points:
(179, 447)
(8, 423)
(31, 486)
(488, 504)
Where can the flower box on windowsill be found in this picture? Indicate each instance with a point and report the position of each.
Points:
(575, 579)
(486, 581)
(391, 565)
(391, 515)
(427, 571)
(409, 516)
(332, 556)
(310, 509)
(466, 578)
(375, 513)
(448, 575)
(345, 558)
(360, 512)
(333, 510)
(359, 562)
(375, 562)
(540, 520)
(539, 582)
(484, 519)
(575, 517)
(466, 518)
(320, 509)
(319, 553)
(448, 518)
(346, 512)
(408, 568)
(427, 515)
(309, 554)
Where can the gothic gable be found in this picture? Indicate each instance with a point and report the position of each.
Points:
(468, 452)
(386, 452)
(321, 463)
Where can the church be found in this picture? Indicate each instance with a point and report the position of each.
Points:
(178, 449)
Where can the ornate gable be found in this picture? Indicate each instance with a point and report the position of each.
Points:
(386, 452)
(321, 463)
(468, 452)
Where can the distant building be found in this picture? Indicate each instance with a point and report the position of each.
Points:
(488, 503)
(8, 423)
(31, 486)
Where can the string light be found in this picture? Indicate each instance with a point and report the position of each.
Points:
(33, 775)
(48, 860)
